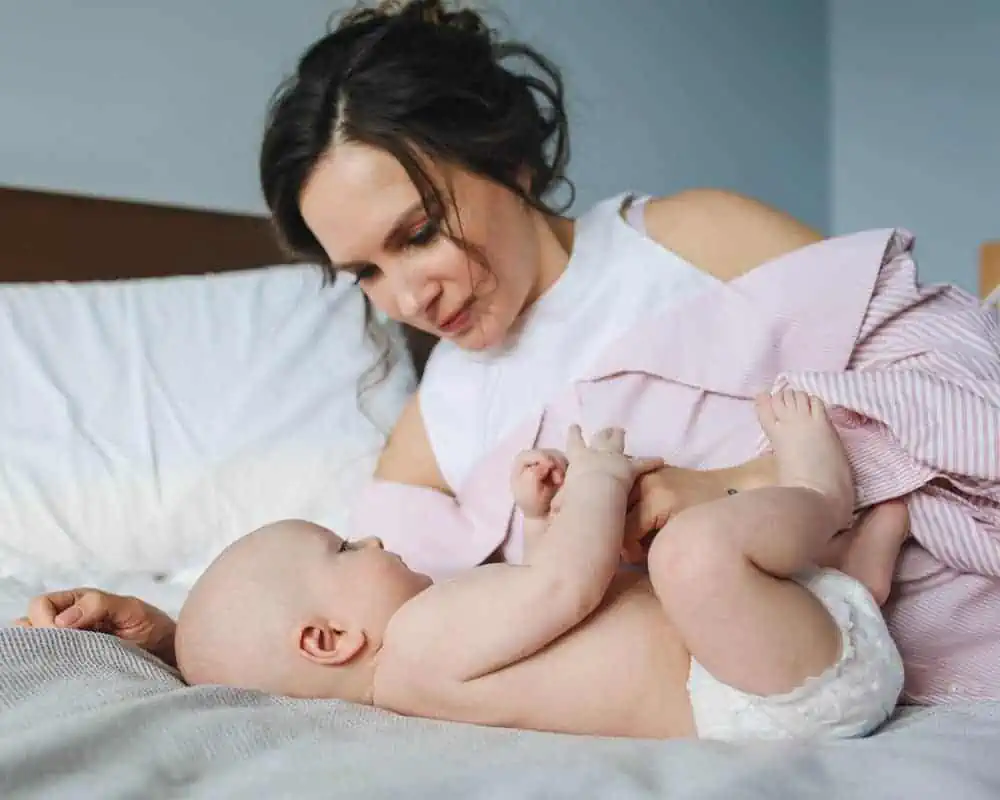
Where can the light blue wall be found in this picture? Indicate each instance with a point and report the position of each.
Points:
(163, 99)
(148, 99)
(667, 94)
(916, 125)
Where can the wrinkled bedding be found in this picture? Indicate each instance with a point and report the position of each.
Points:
(84, 716)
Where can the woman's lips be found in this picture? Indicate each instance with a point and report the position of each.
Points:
(457, 322)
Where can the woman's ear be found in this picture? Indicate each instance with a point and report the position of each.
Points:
(330, 645)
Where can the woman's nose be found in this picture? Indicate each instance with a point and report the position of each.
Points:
(415, 296)
(372, 541)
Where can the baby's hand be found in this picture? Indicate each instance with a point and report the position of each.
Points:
(606, 455)
(537, 476)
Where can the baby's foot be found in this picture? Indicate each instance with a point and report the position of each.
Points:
(874, 548)
(808, 449)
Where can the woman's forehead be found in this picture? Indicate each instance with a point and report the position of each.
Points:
(354, 198)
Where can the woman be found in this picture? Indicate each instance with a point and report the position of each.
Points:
(405, 155)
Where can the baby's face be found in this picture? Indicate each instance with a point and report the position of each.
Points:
(359, 578)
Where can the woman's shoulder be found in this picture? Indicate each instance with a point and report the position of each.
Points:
(724, 233)
(407, 456)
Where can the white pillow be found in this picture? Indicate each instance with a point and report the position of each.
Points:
(146, 424)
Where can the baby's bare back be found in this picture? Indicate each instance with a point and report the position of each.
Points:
(622, 672)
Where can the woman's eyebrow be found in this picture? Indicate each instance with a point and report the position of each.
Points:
(394, 233)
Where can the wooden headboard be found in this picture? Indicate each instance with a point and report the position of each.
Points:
(989, 267)
(49, 236)
(46, 236)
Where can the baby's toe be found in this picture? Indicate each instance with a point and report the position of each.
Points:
(765, 407)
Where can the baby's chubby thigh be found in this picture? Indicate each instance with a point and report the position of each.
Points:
(772, 657)
(748, 628)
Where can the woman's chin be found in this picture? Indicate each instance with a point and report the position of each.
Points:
(473, 343)
(482, 335)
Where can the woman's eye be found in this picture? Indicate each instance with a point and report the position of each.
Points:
(424, 235)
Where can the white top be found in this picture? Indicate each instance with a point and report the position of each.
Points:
(616, 278)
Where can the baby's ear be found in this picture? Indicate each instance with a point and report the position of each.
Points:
(328, 645)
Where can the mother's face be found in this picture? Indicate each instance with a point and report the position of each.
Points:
(367, 215)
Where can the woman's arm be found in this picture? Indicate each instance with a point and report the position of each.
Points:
(411, 508)
(407, 456)
(724, 233)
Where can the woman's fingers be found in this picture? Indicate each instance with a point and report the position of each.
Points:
(73, 608)
(43, 609)
(89, 611)
(648, 514)
(635, 520)
(633, 553)
(642, 466)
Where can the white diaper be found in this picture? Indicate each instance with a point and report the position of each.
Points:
(851, 698)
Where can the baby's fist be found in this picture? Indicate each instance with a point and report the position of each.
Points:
(538, 475)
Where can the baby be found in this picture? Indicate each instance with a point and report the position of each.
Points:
(735, 633)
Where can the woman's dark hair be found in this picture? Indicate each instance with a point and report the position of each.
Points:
(415, 80)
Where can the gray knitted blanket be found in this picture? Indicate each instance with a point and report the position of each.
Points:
(83, 716)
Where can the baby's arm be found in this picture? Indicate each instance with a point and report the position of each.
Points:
(499, 614)
(534, 530)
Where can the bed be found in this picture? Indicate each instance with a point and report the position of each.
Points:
(989, 272)
(82, 715)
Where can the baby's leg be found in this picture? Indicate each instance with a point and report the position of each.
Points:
(722, 570)
(868, 552)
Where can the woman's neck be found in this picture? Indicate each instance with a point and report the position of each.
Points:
(555, 237)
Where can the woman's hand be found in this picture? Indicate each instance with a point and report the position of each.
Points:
(658, 496)
(128, 618)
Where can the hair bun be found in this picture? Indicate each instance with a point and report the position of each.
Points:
(433, 12)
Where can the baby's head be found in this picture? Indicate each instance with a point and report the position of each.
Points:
(293, 609)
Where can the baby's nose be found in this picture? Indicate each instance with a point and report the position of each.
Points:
(373, 541)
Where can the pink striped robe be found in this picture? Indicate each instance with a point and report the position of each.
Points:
(913, 374)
